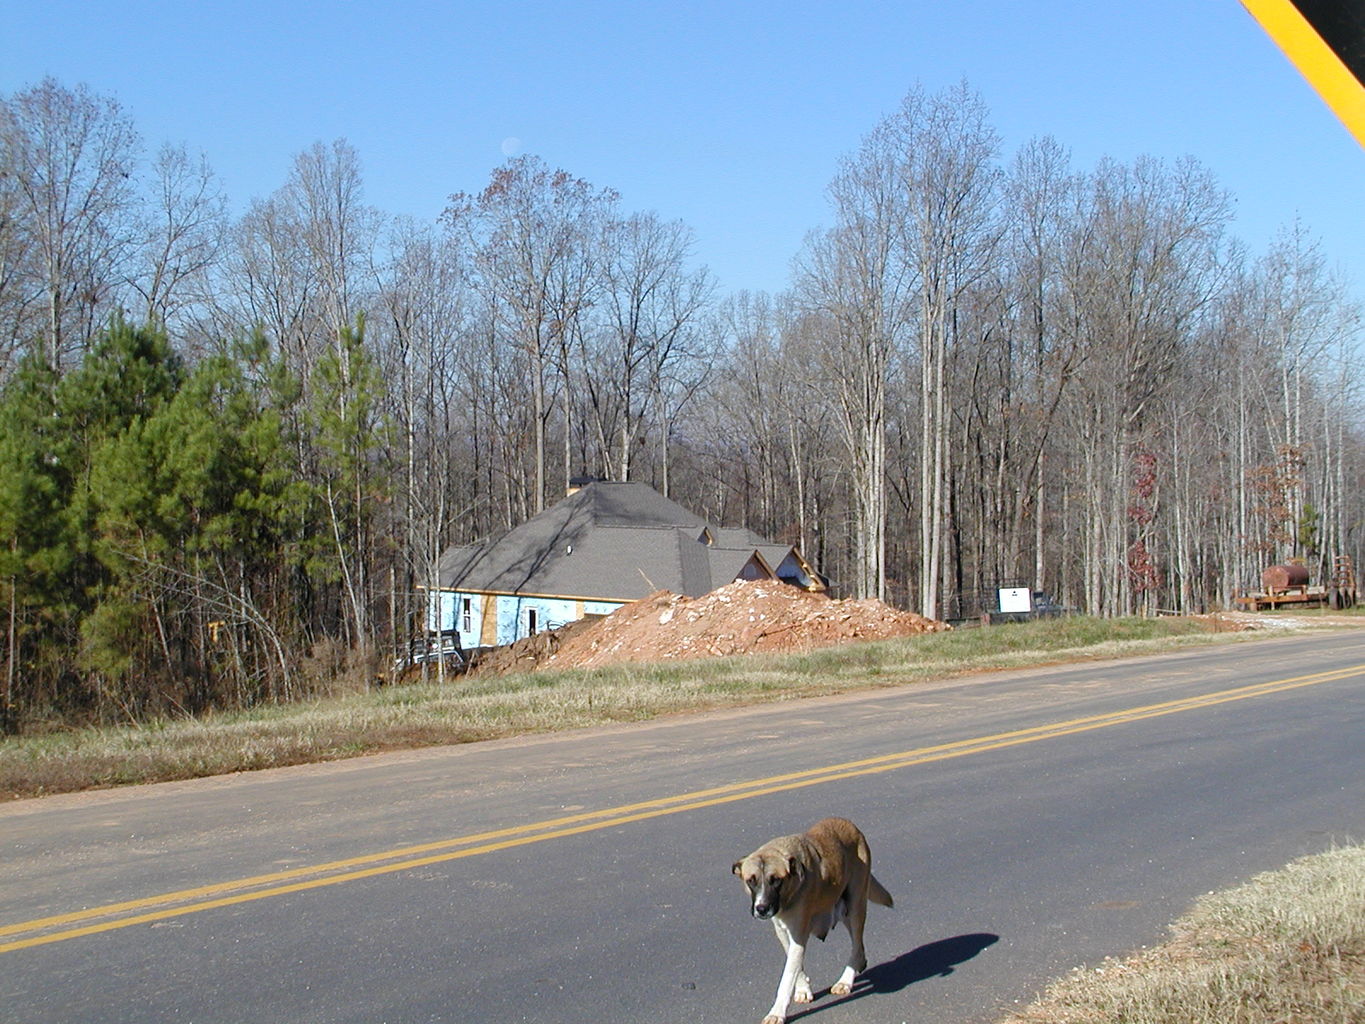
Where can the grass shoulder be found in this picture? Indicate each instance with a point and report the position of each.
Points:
(1288, 945)
(464, 710)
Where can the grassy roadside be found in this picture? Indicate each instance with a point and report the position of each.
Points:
(416, 715)
(1288, 947)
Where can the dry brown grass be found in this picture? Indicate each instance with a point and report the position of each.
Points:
(463, 710)
(1288, 947)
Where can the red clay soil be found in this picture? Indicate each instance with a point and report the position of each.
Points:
(739, 618)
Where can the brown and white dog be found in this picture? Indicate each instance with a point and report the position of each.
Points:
(806, 885)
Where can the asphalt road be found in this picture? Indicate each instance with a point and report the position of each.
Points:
(1025, 822)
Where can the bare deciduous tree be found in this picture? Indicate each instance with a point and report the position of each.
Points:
(651, 300)
(69, 159)
(186, 226)
(529, 231)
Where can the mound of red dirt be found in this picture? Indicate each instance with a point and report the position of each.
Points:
(739, 618)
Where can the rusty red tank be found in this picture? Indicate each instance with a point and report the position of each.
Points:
(1282, 577)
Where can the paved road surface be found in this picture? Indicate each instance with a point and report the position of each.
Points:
(1025, 823)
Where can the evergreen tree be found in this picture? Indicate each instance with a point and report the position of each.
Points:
(35, 549)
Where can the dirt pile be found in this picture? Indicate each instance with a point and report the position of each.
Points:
(528, 653)
(739, 618)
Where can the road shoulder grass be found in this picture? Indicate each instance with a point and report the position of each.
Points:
(468, 709)
(1286, 947)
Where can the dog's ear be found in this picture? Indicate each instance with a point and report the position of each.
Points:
(734, 868)
(794, 869)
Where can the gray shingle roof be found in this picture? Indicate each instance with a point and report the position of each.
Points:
(608, 541)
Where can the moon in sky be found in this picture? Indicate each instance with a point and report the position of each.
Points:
(510, 145)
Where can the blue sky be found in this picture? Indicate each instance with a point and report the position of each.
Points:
(729, 116)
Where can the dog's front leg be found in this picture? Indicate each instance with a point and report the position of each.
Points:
(795, 985)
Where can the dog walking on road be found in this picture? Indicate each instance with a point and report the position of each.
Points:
(805, 885)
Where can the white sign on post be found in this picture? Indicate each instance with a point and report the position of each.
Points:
(1016, 599)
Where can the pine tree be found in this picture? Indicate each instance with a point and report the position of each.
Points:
(35, 550)
(102, 408)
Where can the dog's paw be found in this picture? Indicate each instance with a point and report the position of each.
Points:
(802, 993)
(773, 1019)
(844, 985)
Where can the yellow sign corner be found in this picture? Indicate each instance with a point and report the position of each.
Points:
(1326, 46)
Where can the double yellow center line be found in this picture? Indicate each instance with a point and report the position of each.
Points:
(42, 931)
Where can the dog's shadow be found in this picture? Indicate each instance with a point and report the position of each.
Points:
(932, 960)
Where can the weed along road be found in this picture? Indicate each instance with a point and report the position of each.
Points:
(1025, 823)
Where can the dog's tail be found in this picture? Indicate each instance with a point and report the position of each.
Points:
(876, 892)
